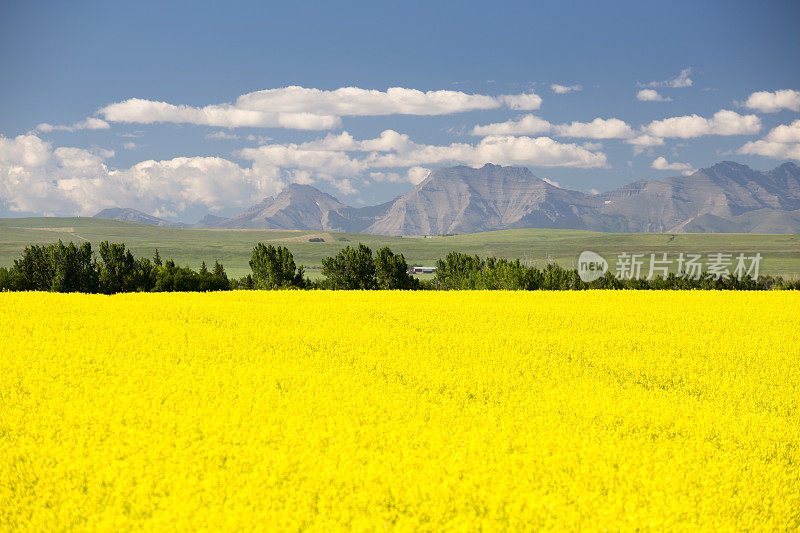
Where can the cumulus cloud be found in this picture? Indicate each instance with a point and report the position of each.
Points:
(723, 122)
(681, 80)
(564, 89)
(772, 149)
(36, 177)
(782, 142)
(651, 95)
(785, 133)
(91, 123)
(525, 125)
(599, 128)
(313, 109)
(772, 102)
(330, 156)
(354, 101)
(521, 102)
(661, 163)
(136, 110)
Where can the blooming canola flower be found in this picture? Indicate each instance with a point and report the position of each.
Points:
(417, 411)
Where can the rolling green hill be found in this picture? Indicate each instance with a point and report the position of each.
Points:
(536, 246)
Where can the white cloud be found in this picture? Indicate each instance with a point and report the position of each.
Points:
(785, 133)
(681, 80)
(661, 164)
(772, 149)
(91, 123)
(651, 95)
(782, 142)
(344, 142)
(312, 109)
(328, 157)
(564, 89)
(521, 102)
(645, 140)
(324, 163)
(130, 145)
(221, 135)
(723, 122)
(354, 101)
(498, 149)
(344, 186)
(599, 128)
(772, 102)
(525, 125)
(414, 176)
(417, 175)
(24, 151)
(136, 110)
(36, 177)
(211, 181)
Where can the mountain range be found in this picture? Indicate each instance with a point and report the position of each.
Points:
(725, 198)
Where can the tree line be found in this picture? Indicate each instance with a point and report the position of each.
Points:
(69, 268)
(114, 269)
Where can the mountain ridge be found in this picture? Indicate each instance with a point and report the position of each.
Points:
(727, 197)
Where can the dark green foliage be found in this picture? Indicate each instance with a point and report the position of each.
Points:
(350, 269)
(274, 268)
(215, 280)
(463, 272)
(118, 270)
(392, 271)
(54, 267)
(173, 278)
(70, 268)
(242, 284)
(316, 239)
(219, 279)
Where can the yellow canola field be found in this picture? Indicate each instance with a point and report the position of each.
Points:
(424, 411)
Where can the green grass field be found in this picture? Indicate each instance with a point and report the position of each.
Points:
(781, 253)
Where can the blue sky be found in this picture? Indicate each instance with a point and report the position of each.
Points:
(105, 104)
